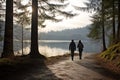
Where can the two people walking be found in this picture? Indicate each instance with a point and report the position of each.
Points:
(72, 48)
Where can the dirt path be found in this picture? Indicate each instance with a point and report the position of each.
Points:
(85, 69)
(62, 68)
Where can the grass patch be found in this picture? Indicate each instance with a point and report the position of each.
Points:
(7, 61)
(111, 53)
(111, 57)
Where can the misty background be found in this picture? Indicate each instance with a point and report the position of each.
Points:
(52, 43)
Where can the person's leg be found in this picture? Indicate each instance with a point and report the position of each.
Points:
(72, 55)
(80, 54)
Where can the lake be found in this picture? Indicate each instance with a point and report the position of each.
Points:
(56, 47)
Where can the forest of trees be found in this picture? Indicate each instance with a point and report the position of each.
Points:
(42, 10)
(106, 20)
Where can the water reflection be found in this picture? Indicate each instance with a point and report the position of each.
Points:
(54, 47)
(48, 51)
(89, 46)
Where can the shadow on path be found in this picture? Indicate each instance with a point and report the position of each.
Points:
(32, 70)
(96, 67)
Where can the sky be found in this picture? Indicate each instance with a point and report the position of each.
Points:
(81, 20)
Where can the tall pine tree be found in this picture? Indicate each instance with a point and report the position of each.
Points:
(8, 35)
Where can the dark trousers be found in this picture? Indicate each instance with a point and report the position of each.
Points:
(72, 55)
(80, 53)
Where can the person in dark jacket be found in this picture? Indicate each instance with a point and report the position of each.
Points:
(72, 48)
(80, 47)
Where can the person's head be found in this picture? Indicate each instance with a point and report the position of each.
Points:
(72, 40)
(79, 40)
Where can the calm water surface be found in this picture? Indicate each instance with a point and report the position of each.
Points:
(55, 47)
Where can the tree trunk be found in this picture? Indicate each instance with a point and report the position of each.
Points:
(8, 35)
(34, 31)
(113, 6)
(103, 27)
(22, 41)
(118, 30)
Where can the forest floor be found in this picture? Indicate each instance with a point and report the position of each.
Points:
(56, 68)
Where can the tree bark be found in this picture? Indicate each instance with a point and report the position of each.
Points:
(34, 31)
(114, 34)
(103, 26)
(118, 30)
(8, 35)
